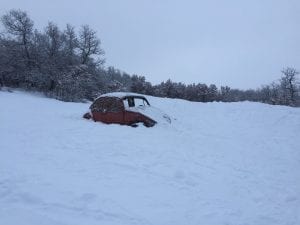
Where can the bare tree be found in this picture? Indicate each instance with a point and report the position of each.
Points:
(89, 44)
(212, 93)
(71, 43)
(288, 83)
(18, 24)
(54, 40)
(225, 93)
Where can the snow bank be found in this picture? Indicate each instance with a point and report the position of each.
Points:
(217, 163)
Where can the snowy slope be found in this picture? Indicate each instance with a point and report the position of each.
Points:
(217, 163)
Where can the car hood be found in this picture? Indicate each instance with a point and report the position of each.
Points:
(153, 113)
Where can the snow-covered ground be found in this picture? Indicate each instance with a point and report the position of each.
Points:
(216, 164)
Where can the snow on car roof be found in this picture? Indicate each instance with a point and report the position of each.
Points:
(120, 94)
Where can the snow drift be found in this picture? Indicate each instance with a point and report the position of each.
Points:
(217, 163)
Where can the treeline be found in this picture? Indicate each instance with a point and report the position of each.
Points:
(69, 66)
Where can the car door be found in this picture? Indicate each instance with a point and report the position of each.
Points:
(130, 115)
(108, 110)
(114, 111)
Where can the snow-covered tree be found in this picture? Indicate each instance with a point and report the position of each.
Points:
(20, 27)
(89, 45)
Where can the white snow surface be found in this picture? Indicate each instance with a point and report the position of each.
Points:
(216, 164)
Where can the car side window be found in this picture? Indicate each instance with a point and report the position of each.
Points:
(125, 102)
(139, 102)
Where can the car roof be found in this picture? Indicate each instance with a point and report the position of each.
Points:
(121, 95)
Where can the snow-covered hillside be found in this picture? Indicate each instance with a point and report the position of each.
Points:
(216, 164)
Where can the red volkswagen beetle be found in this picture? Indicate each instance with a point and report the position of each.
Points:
(126, 109)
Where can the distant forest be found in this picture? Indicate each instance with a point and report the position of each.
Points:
(69, 66)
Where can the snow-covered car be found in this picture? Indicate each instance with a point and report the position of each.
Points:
(126, 109)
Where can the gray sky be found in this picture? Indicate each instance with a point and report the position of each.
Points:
(238, 43)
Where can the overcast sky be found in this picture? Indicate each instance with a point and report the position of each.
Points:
(238, 43)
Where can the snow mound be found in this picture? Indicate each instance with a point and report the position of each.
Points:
(216, 163)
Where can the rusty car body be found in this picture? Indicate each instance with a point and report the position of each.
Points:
(123, 108)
